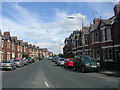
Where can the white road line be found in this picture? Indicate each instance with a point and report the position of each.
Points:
(47, 84)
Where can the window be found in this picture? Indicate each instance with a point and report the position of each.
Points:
(108, 34)
(8, 45)
(86, 42)
(13, 46)
(109, 53)
(92, 37)
(96, 36)
(2, 43)
(103, 35)
(18, 48)
(24, 49)
(8, 55)
(97, 53)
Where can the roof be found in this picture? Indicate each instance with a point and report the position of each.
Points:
(107, 21)
(43, 49)
(93, 27)
(6, 37)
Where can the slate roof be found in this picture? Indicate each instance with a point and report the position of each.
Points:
(6, 37)
(43, 49)
(93, 27)
(107, 21)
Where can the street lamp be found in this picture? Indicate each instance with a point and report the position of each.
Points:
(71, 17)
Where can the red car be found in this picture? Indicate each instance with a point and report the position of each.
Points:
(69, 62)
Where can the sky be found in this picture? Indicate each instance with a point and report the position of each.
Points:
(46, 24)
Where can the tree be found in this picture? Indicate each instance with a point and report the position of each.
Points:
(69, 55)
(25, 56)
(60, 55)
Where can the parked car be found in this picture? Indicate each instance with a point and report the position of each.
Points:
(26, 62)
(69, 63)
(60, 61)
(85, 63)
(0, 65)
(55, 58)
(30, 60)
(50, 58)
(8, 64)
(19, 62)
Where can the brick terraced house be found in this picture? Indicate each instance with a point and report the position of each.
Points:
(101, 40)
(11, 48)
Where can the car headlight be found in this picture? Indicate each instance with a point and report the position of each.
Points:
(98, 64)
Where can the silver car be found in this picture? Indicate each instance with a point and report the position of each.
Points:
(60, 61)
(19, 63)
(8, 64)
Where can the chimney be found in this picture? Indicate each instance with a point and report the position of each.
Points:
(96, 20)
(15, 37)
(30, 44)
(85, 28)
(34, 46)
(7, 33)
(116, 9)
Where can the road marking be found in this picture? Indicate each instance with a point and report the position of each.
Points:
(47, 84)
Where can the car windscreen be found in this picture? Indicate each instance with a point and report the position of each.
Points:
(86, 58)
(61, 60)
(5, 61)
(71, 60)
(16, 60)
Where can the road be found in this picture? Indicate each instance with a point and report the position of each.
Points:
(45, 74)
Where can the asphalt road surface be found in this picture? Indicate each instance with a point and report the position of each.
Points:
(45, 74)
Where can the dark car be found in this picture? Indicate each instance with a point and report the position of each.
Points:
(26, 62)
(85, 63)
(30, 60)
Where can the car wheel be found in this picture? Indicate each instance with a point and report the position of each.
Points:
(74, 68)
(67, 67)
(11, 69)
(82, 69)
(97, 70)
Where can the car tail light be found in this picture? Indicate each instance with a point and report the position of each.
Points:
(10, 64)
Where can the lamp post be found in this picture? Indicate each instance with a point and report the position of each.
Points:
(72, 17)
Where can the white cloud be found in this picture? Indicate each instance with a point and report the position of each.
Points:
(27, 26)
(108, 14)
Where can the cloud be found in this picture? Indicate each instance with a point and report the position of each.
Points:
(28, 26)
(108, 14)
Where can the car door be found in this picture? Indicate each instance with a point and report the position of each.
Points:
(77, 62)
(82, 60)
(65, 63)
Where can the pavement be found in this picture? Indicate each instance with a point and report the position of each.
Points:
(114, 73)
